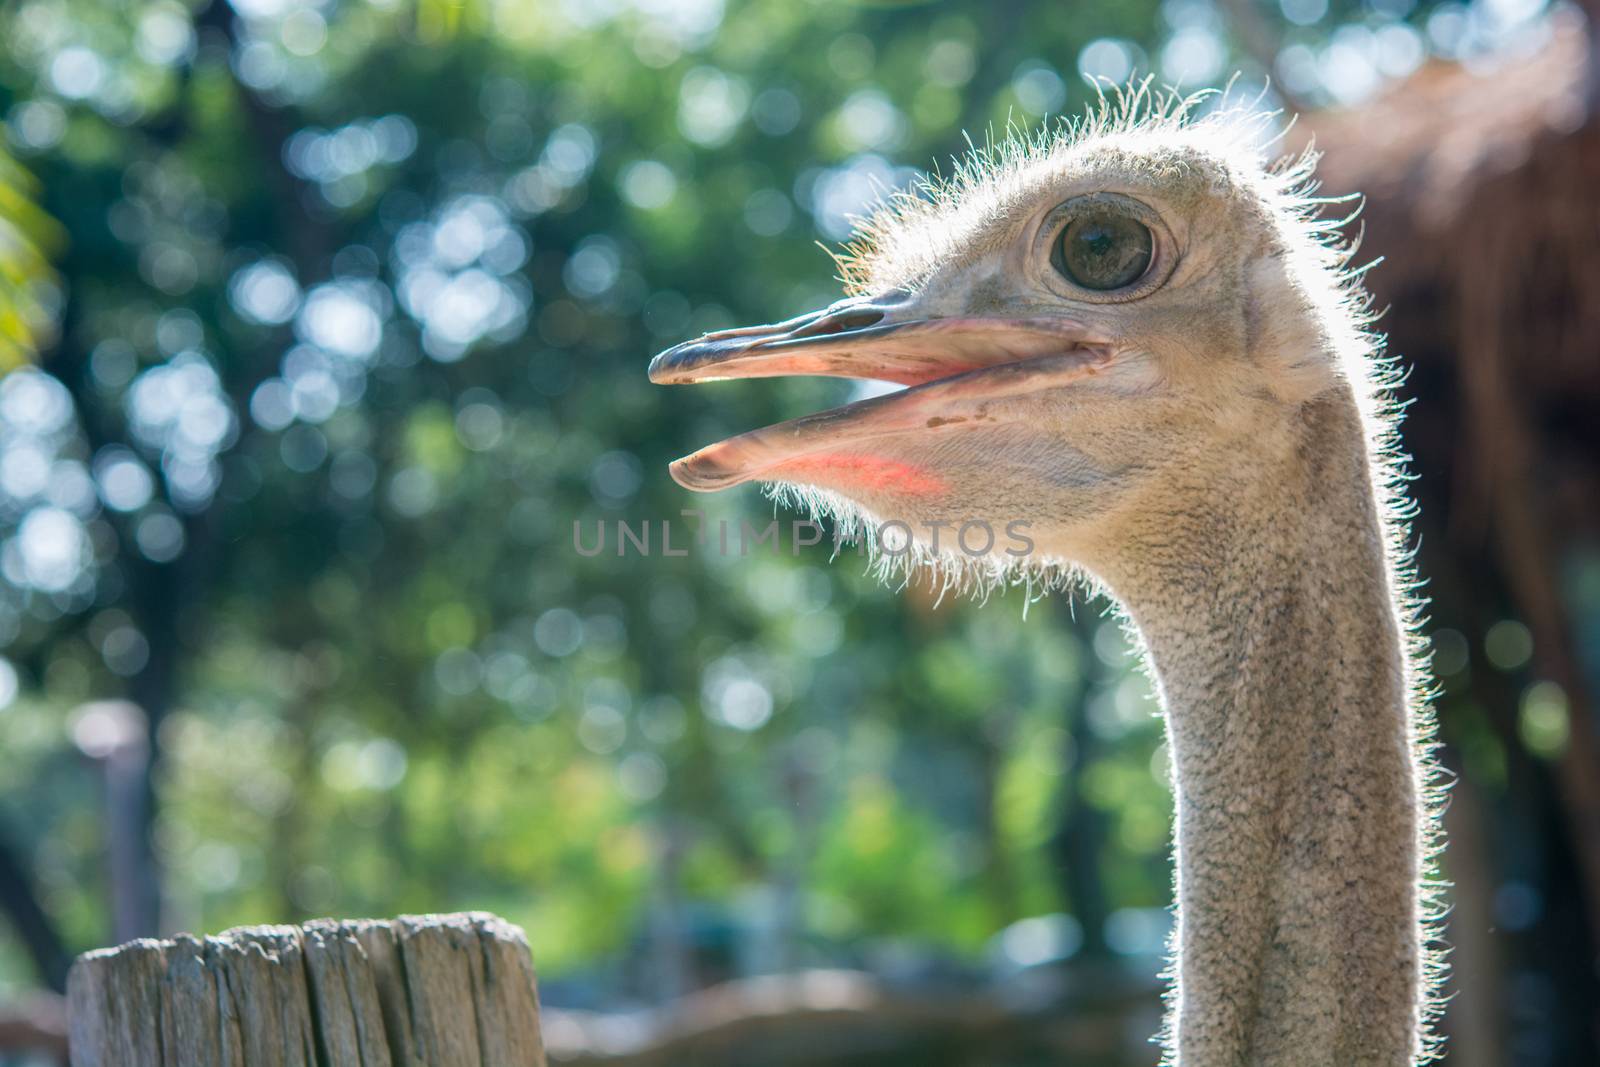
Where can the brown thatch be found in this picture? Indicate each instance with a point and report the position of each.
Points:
(1493, 173)
(1483, 201)
(1433, 139)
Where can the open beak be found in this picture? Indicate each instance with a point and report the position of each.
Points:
(954, 367)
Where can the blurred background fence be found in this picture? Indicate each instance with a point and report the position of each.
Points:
(332, 327)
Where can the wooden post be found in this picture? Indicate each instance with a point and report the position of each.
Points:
(417, 991)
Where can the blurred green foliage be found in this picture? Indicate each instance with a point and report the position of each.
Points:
(27, 237)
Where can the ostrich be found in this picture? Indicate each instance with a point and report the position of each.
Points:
(1138, 339)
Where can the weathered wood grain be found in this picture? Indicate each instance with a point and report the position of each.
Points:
(417, 991)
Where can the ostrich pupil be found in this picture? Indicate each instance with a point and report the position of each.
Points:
(1104, 251)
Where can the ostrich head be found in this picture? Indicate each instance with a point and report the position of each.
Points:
(1097, 330)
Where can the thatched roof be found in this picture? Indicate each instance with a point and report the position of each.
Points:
(1482, 191)
(1434, 138)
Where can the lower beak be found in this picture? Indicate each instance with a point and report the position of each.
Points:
(955, 367)
(858, 339)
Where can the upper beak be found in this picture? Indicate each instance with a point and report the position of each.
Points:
(884, 340)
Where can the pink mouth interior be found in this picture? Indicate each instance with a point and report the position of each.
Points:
(871, 473)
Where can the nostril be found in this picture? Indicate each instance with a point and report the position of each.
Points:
(841, 321)
(858, 319)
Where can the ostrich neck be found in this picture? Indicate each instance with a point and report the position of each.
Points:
(1276, 642)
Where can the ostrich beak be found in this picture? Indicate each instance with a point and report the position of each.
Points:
(954, 366)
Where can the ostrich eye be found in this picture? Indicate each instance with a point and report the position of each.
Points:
(1103, 249)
